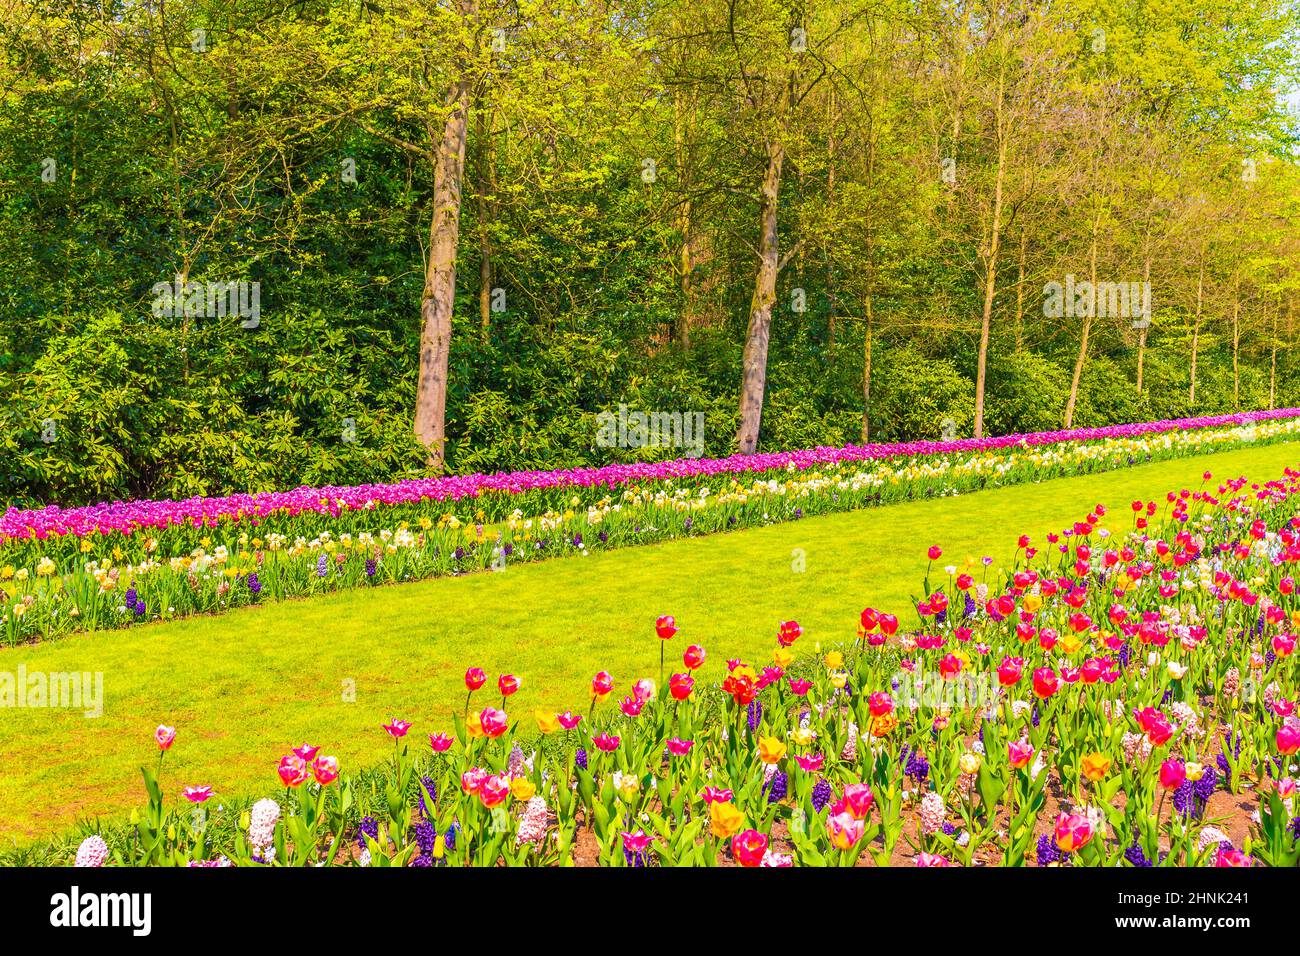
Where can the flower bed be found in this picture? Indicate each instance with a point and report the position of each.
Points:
(1109, 699)
(104, 569)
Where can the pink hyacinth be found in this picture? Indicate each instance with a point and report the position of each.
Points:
(92, 852)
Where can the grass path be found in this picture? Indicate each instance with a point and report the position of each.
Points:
(242, 688)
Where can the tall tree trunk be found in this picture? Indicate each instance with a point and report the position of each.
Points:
(1236, 350)
(686, 316)
(1142, 332)
(484, 245)
(1272, 365)
(1073, 401)
(760, 310)
(1196, 325)
(1020, 289)
(991, 262)
(866, 371)
(440, 273)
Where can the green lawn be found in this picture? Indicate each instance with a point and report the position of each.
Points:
(244, 687)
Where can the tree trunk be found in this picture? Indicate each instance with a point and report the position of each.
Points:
(866, 373)
(991, 267)
(1142, 332)
(1196, 325)
(484, 245)
(1079, 362)
(440, 273)
(1272, 366)
(760, 309)
(1020, 290)
(686, 268)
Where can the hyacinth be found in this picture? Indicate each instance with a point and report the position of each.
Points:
(426, 835)
(850, 748)
(1232, 682)
(261, 823)
(1208, 837)
(532, 825)
(517, 766)
(130, 516)
(220, 861)
(92, 852)
(932, 812)
(821, 794)
(754, 715)
(432, 788)
(368, 827)
(450, 836)
(777, 787)
(1135, 856)
(580, 758)
(1048, 852)
(918, 768)
(254, 585)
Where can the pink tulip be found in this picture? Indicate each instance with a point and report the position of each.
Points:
(165, 736)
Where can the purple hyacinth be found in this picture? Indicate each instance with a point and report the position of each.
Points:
(821, 794)
(432, 789)
(755, 714)
(777, 787)
(1206, 786)
(426, 835)
(139, 609)
(1135, 856)
(254, 584)
(1048, 853)
(580, 758)
(368, 827)
(129, 598)
(918, 768)
(371, 568)
(450, 835)
(322, 565)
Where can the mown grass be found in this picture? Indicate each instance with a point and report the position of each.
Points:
(244, 687)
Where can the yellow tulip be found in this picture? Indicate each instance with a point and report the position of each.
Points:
(1096, 766)
(834, 660)
(724, 819)
(770, 750)
(782, 657)
(547, 723)
(474, 726)
(522, 788)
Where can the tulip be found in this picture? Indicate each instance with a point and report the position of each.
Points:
(748, 847)
(1288, 740)
(507, 684)
(1172, 774)
(568, 720)
(724, 819)
(845, 830)
(1046, 683)
(810, 764)
(857, 800)
(1019, 753)
(693, 657)
(1010, 671)
(665, 627)
(472, 780)
(546, 722)
(1073, 831)
(441, 742)
(680, 748)
(306, 752)
(1095, 766)
(605, 742)
(493, 722)
(165, 736)
(601, 685)
(197, 794)
(788, 633)
(770, 750)
(325, 769)
(494, 790)
(475, 678)
(799, 687)
(932, 860)
(397, 729)
(293, 770)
